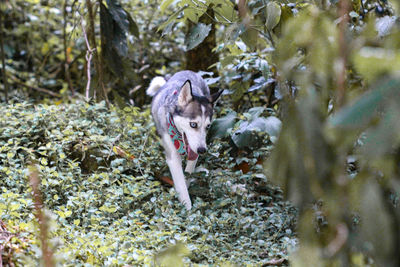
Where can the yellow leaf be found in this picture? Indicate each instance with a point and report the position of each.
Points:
(68, 213)
(45, 48)
(43, 161)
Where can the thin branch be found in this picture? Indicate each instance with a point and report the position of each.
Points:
(89, 54)
(342, 234)
(141, 152)
(34, 181)
(42, 90)
(243, 13)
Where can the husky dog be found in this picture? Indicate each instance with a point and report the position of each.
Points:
(182, 109)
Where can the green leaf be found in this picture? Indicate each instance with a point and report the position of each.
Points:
(171, 18)
(219, 127)
(114, 43)
(133, 28)
(196, 35)
(373, 62)
(361, 112)
(165, 4)
(194, 13)
(118, 14)
(224, 10)
(273, 11)
(243, 137)
(250, 38)
(380, 139)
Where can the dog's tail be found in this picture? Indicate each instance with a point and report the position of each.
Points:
(155, 84)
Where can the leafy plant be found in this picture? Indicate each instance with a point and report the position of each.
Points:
(244, 130)
(105, 205)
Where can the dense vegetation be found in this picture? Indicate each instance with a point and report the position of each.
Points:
(311, 104)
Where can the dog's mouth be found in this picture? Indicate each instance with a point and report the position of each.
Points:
(190, 153)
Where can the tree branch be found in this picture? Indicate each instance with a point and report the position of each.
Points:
(42, 90)
(34, 182)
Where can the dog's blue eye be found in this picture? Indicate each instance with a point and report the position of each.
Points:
(193, 125)
(208, 126)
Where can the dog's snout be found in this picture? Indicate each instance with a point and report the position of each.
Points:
(201, 150)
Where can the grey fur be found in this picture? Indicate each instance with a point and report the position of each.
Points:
(186, 97)
(165, 101)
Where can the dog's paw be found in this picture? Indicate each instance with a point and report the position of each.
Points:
(187, 203)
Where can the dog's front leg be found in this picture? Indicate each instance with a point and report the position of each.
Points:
(174, 163)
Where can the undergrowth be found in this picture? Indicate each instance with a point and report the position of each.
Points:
(100, 179)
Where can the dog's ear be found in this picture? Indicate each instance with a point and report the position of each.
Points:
(185, 96)
(215, 96)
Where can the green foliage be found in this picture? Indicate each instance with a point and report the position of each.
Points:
(244, 131)
(108, 208)
(197, 34)
(42, 38)
(342, 159)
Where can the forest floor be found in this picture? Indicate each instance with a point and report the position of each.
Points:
(101, 173)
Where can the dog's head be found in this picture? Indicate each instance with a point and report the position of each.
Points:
(193, 117)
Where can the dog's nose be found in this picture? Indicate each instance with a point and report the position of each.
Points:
(201, 150)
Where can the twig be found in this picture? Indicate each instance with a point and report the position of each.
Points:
(337, 243)
(275, 262)
(34, 181)
(89, 54)
(3, 61)
(42, 90)
(243, 13)
(141, 152)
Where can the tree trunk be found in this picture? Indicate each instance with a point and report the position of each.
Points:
(202, 56)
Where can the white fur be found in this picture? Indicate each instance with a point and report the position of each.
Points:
(196, 139)
(155, 84)
(174, 163)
